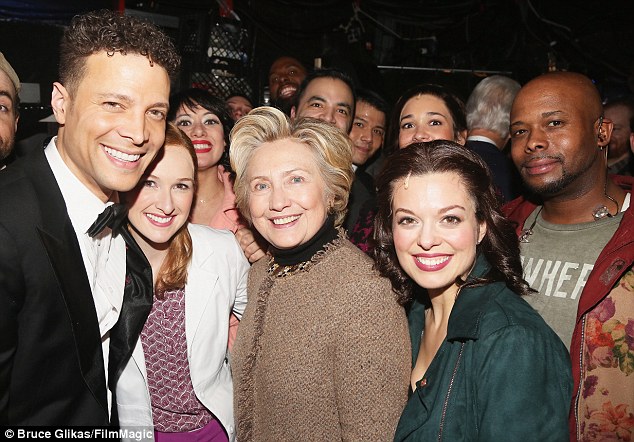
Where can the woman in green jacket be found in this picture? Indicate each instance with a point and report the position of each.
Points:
(485, 366)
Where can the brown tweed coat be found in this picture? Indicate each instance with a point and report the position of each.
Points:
(333, 353)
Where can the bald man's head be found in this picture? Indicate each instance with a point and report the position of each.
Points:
(578, 89)
(558, 133)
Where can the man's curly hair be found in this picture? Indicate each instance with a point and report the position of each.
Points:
(112, 32)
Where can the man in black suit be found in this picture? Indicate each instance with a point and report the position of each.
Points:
(488, 109)
(72, 306)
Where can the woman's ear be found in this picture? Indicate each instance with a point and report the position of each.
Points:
(461, 137)
(330, 204)
(482, 230)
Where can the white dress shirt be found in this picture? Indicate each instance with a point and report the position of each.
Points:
(480, 138)
(104, 256)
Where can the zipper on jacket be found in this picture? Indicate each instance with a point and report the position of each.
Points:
(581, 374)
(444, 407)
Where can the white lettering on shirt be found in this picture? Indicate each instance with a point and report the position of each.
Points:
(553, 276)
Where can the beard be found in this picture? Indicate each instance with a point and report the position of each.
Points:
(553, 188)
(284, 104)
(6, 146)
(556, 186)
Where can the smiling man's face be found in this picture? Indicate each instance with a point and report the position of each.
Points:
(285, 76)
(113, 122)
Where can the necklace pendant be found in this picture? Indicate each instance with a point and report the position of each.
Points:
(525, 235)
(600, 212)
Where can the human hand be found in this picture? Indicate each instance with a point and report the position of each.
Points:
(249, 244)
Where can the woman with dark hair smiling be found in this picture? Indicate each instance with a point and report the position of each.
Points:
(425, 112)
(485, 366)
(207, 121)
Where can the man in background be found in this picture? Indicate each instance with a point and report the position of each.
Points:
(488, 109)
(285, 76)
(620, 112)
(327, 95)
(239, 105)
(367, 135)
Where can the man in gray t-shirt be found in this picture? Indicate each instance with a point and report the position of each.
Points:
(557, 262)
(577, 240)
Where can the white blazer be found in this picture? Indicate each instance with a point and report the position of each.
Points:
(216, 286)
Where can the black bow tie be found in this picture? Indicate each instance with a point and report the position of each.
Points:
(113, 216)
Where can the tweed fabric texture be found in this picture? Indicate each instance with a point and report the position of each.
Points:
(322, 354)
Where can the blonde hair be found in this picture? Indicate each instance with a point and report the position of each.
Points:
(173, 272)
(332, 151)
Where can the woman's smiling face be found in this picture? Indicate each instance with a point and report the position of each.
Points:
(287, 200)
(161, 202)
(425, 118)
(435, 230)
(205, 130)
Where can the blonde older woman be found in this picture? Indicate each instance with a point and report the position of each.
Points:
(322, 352)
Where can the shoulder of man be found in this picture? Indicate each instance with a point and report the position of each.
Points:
(16, 189)
(29, 195)
(625, 182)
(517, 211)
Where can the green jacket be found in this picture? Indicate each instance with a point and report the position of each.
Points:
(500, 375)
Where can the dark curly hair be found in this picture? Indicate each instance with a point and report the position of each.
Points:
(454, 104)
(194, 97)
(109, 31)
(500, 245)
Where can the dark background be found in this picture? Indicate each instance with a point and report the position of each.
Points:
(386, 45)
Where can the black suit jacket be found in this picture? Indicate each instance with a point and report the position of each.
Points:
(51, 361)
(505, 177)
(362, 190)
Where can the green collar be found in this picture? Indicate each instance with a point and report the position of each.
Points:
(464, 321)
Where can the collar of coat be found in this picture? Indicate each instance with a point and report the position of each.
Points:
(465, 319)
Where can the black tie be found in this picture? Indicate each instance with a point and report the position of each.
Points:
(137, 296)
(113, 216)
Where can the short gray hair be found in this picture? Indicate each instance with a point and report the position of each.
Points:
(331, 147)
(489, 105)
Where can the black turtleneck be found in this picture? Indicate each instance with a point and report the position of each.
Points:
(304, 252)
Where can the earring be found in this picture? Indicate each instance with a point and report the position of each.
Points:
(600, 135)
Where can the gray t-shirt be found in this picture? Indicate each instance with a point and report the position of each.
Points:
(557, 261)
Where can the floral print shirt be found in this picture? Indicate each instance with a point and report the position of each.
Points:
(606, 402)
